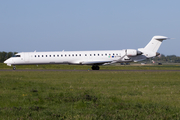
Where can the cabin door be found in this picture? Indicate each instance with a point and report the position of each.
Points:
(26, 57)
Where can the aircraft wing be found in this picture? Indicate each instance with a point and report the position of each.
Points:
(93, 62)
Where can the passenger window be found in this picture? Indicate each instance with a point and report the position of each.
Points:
(69, 55)
(46, 55)
(49, 55)
(90, 54)
(94, 54)
(61, 55)
(38, 55)
(98, 54)
(79, 54)
(57, 55)
(106, 54)
(85, 54)
(35, 56)
(65, 55)
(101, 54)
(42, 55)
(72, 54)
(76, 54)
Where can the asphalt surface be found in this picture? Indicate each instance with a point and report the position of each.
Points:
(44, 70)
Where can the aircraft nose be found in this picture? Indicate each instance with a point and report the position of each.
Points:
(8, 62)
(5, 61)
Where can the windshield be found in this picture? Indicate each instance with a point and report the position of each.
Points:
(17, 56)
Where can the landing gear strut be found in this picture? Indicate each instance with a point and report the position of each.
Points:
(95, 67)
(14, 67)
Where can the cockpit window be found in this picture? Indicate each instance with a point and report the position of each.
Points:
(17, 56)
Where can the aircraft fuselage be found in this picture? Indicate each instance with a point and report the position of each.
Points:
(93, 58)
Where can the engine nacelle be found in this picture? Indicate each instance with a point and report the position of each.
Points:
(133, 52)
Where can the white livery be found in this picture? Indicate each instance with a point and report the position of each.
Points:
(94, 58)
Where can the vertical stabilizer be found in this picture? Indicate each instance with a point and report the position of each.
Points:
(155, 43)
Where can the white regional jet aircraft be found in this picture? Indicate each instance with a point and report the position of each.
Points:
(94, 58)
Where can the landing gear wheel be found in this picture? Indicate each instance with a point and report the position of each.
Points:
(14, 68)
(95, 67)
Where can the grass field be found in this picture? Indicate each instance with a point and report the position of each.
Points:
(90, 94)
(106, 67)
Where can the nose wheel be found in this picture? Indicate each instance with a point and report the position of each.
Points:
(14, 67)
(95, 67)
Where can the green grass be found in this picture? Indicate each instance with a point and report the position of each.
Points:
(106, 67)
(90, 94)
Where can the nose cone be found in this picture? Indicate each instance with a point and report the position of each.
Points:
(8, 62)
(5, 61)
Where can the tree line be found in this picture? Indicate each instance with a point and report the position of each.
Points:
(162, 58)
(167, 59)
(5, 55)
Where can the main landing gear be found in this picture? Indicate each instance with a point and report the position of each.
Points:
(95, 67)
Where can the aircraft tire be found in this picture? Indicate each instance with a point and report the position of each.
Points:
(14, 68)
(95, 67)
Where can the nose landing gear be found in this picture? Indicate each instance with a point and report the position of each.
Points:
(14, 67)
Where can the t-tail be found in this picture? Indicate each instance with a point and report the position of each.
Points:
(150, 50)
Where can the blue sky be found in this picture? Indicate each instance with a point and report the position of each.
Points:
(56, 25)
